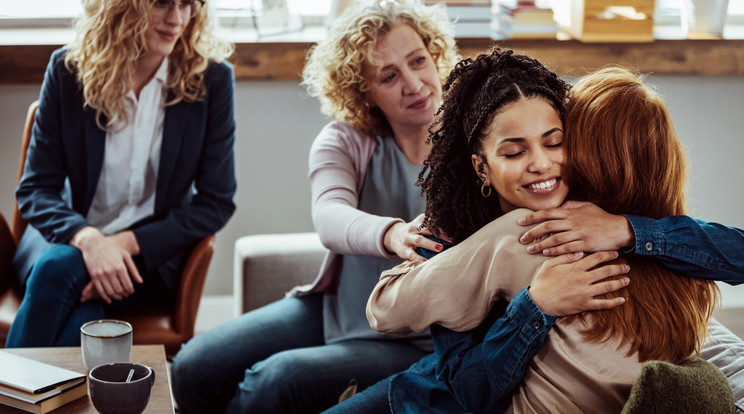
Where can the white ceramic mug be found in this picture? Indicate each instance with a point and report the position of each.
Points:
(105, 340)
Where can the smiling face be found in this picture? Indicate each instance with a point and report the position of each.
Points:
(165, 28)
(524, 156)
(405, 86)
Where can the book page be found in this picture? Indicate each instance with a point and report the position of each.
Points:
(32, 376)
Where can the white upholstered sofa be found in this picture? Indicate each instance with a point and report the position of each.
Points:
(267, 266)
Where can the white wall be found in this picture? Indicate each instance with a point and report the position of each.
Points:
(277, 122)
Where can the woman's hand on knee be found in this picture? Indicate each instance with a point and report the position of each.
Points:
(109, 264)
(402, 239)
(569, 284)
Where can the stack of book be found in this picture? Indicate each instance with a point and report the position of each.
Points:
(471, 18)
(37, 387)
(522, 20)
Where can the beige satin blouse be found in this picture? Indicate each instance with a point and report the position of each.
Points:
(456, 289)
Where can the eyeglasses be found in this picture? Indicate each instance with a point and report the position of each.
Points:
(186, 8)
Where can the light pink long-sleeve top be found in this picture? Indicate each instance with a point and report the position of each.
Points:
(457, 288)
(338, 161)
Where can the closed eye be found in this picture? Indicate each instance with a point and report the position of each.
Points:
(514, 155)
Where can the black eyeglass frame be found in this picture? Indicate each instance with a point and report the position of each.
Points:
(196, 5)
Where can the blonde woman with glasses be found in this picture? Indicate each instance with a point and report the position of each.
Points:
(130, 164)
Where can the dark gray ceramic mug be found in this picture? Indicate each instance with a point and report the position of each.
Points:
(112, 394)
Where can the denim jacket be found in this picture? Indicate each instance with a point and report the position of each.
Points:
(476, 371)
(691, 246)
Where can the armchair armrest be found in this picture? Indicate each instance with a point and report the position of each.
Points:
(267, 266)
(192, 285)
(10, 292)
(7, 250)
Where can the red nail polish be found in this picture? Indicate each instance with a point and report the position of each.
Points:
(439, 247)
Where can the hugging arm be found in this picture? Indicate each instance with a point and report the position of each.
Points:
(691, 246)
(457, 288)
(682, 243)
(481, 374)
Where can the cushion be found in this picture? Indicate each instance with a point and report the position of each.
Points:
(726, 351)
(694, 386)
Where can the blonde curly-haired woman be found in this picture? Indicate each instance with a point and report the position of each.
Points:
(379, 74)
(130, 164)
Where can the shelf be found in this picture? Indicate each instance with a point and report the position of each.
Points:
(284, 60)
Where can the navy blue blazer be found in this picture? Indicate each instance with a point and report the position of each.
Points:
(65, 158)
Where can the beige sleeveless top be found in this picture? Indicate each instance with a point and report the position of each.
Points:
(571, 375)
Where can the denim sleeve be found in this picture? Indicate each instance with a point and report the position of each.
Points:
(691, 246)
(482, 374)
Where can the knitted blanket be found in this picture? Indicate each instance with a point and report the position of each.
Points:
(694, 386)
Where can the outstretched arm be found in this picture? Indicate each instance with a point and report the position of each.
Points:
(337, 161)
(480, 374)
(684, 244)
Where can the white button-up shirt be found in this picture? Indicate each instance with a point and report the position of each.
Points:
(125, 192)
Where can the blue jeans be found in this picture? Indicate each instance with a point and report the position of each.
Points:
(51, 313)
(274, 360)
(374, 400)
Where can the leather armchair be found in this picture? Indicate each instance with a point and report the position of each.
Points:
(170, 327)
(10, 294)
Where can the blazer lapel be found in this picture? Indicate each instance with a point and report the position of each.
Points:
(174, 129)
(95, 146)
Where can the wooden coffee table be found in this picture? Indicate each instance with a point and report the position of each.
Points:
(161, 399)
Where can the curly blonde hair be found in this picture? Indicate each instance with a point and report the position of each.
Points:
(335, 68)
(111, 38)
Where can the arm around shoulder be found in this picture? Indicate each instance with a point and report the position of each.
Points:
(337, 163)
(456, 288)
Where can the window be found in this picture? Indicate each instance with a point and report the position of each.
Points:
(60, 13)
(249, 14)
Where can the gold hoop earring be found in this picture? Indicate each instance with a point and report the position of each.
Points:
(483, 192)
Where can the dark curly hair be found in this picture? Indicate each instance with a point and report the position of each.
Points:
(474, 92)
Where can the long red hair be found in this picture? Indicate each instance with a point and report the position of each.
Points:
(624, 155)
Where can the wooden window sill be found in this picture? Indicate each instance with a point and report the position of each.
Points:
(283, 60)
